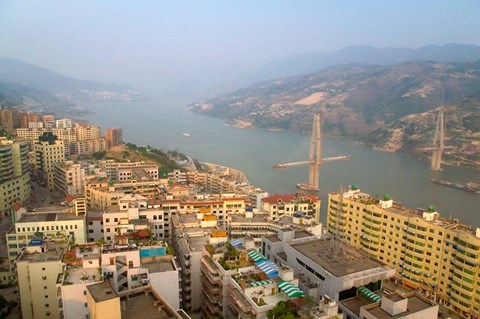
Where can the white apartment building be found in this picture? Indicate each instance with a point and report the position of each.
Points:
(134, 213)
(38, 268)
(48, 150)
(35, 124)
(63, 123)
(301, 205)
(69, 178)
(125, 268)
(137, 172)
(55, 222)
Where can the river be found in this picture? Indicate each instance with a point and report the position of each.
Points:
(162, 123)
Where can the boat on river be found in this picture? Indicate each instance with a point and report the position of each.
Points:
(473, 187)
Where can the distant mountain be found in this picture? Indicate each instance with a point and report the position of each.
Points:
(66, 88)
(357, 100)
(315, 61)
(14, 95)
(415, 131)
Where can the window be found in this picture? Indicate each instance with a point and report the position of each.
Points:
(45, 287)
(44, 277)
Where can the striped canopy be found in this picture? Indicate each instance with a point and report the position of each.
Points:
(268, 267)
(290, 289)
(260, 283)
(236, 243)
(368, 293)
(255, 256)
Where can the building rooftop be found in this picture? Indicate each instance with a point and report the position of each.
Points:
(257, 218)
(416, 303)
(159, 266)
(42, 252)
(51, 215)
(102, 291)
(148, 304)
(321, 252)
(94, 215)
(287, 198)
(398, 208)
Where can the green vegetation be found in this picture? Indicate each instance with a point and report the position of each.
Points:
(170, 250)
(99, 155)
(283, 310)
(165, 159)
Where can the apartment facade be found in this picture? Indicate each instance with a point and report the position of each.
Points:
(38, 268)
(9, 119)
(48, 150)
(133, 214)
(52, 222)
(114, 136)
(69, 178)
(14, 174)
(304, 205)
(91, 146)
(437, 256)
(88, 132)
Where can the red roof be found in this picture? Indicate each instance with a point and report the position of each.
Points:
(69, 198)
(17, 206)
(288, 198)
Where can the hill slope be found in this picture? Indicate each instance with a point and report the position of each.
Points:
(357, 100)
(315, 61)
(66, 88)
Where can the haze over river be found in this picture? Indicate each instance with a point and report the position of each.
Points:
(161, 124)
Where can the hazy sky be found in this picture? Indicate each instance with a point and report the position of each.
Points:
(168, 43)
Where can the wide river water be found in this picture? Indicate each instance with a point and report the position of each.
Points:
(161, 124)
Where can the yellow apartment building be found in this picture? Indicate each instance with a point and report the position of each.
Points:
(439, 257)
(14, 174)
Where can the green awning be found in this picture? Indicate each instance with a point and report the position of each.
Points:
(255, 256)
(290, 289)
(368, 293)
(260, 283)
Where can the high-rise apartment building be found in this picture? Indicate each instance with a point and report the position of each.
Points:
(38, 268)
(437, 256)
(87, 132)
(64, 123)
(48, 150)
(14, 174)
(114, 136)
(9, 119)
(69, 178)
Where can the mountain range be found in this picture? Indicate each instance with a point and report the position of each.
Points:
(37, 89)
(315, 61)
(372, 103)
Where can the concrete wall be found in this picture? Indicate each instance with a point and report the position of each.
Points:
(167, 284)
